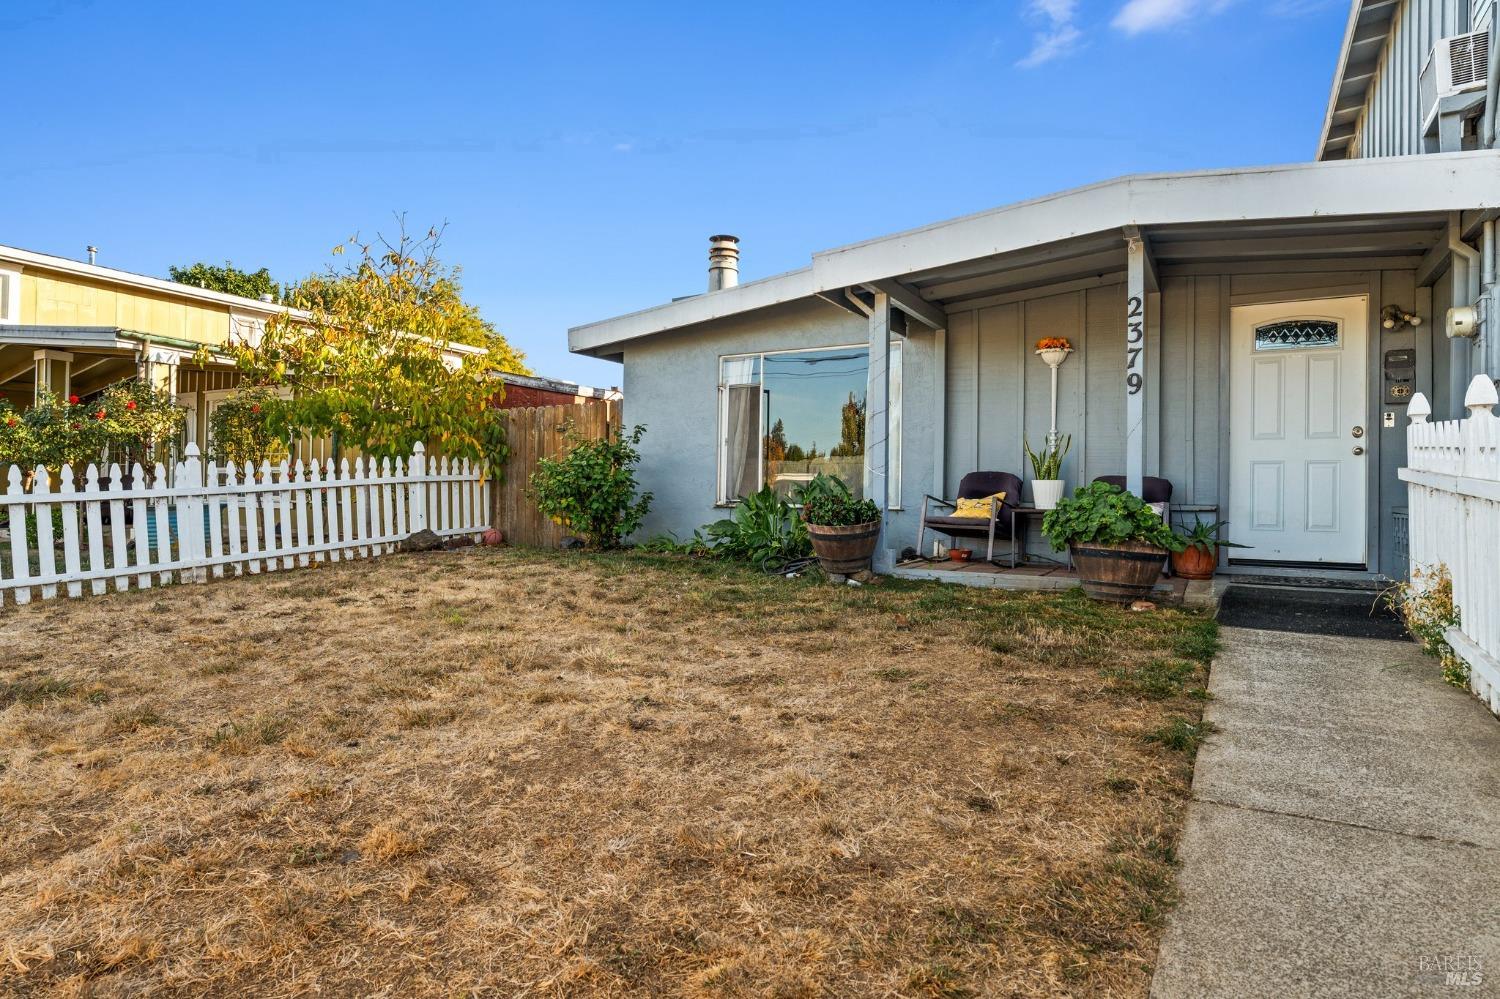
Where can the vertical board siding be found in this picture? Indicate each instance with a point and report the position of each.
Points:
(1453, 478)
(208, 521)
(999, 391)
(1390, 124)
(534, 433)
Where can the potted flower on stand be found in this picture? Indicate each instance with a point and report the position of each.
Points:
(843, 530)
(1046, 470)
(1198, 557)
(1119, 543)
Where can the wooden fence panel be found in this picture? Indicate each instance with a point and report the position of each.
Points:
(534, 433)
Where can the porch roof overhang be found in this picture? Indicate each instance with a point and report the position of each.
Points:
(1359, 57)
(1389, 211)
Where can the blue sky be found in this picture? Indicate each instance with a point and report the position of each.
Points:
(583, 153)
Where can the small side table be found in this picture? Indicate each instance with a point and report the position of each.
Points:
(1018, 554)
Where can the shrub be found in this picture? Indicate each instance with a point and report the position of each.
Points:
(1100, 513)
(827, 502)
(1425, 604)
(591, 490)
(241, 428)
(122, 424)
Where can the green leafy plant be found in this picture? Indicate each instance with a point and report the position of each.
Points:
(763, 530)
(241, 428)
(591, 490)
(1425, 603)
(1205, 536)
(1047, 463)
(827, 502)
(1100, 513)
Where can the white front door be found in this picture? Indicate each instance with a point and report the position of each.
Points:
(1297, 434)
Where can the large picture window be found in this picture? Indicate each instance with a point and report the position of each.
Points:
(788, 415)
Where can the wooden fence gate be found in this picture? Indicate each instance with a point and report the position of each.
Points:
(536, 432)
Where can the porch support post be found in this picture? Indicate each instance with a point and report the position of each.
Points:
(54, 374)
(1135, 362)
(877, 400)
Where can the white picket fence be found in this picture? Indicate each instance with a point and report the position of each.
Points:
(207, 521)
(1453, 480)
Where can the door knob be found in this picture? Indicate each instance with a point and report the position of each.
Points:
(1358, 432)
(1359, 450)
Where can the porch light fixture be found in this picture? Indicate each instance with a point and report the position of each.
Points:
(1053, 350)
(1394, 317)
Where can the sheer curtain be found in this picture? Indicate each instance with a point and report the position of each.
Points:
(742, 407)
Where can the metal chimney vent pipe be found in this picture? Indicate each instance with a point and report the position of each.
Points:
(93, 252)
(723, 262)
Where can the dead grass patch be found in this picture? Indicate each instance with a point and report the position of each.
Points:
(501, 773)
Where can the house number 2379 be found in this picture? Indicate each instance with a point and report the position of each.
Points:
(1136, 332)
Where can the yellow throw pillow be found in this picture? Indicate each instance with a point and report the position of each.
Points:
(979, 507)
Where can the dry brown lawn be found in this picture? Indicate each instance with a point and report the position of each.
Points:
(507, 773)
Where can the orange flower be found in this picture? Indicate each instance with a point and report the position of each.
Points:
(1053, 343)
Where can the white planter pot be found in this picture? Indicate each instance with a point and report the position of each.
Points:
(1046, 492)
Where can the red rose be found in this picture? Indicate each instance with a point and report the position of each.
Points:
(10, 421)
(99, 415)
(130, 404)
(255, 408)
(72, 400)
(77, 426)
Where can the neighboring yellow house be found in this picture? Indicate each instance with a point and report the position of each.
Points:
(72, 327)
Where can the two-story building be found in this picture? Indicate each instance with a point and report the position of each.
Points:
(1246, 339)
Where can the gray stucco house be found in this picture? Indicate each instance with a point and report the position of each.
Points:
(1250, 335)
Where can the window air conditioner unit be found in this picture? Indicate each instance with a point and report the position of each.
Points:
(1457, 66)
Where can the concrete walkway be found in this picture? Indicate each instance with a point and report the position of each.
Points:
(1344, 835)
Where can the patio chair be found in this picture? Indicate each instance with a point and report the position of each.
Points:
(1158, 492)
(999, 524)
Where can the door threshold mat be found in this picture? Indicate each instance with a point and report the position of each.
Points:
(1354, 613)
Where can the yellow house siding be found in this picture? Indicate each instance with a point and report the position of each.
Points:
(64, 300)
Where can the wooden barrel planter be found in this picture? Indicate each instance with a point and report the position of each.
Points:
(1195, 562)
(1119, 573)
(844, 550)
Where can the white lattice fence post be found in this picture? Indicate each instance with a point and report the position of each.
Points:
(1419, 506)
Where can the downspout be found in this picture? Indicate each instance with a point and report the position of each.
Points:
(1491, 90)
(1465, 292)
(1489, 303)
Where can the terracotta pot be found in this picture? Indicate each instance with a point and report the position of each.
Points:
(960, 554)
(1119, 573)
(844, 550)
(1195, 562)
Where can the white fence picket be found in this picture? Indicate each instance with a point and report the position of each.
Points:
(211, 522)
(1453, 485)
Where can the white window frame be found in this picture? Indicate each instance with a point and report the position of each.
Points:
(893, 415)
(10, 296)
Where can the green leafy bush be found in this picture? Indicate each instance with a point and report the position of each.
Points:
(591, 490)
(1100, 513)
(242, 428)
(124, 424)
(827, 502)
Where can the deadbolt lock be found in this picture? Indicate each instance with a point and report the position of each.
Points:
(1358, 431)
(1359, 450)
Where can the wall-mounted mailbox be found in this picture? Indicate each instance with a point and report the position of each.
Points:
(1400, 372)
